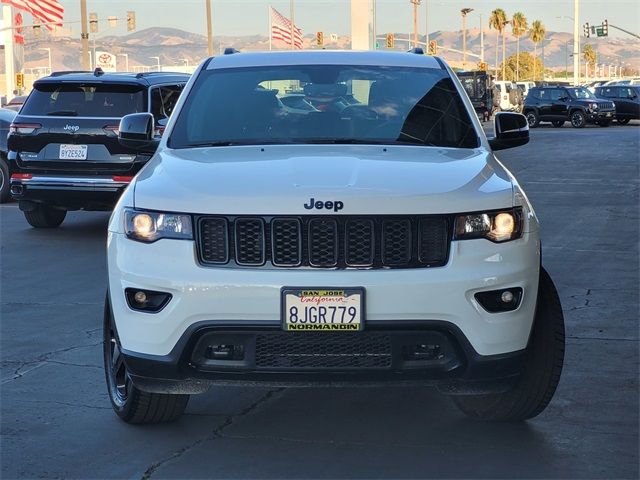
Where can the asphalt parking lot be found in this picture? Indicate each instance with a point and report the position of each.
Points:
(56, 421)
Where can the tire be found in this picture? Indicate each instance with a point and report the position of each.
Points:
(4, 180)
(532, 118)
(558, 123)
(623, 121)
(44, 216)
(131, 404)
(578, 120)
(543, 366)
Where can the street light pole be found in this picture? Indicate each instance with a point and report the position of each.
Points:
(464, 13)
(209, 29)
(576, 44)
(415, 21)
(84, 35)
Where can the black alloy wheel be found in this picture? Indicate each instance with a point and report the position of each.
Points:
(532, 119)
(578, 119)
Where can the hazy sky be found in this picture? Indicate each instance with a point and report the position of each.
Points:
(245, 17)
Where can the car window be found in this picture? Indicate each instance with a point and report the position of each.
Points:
(625, 92)
(85, 100)
(164, 99)
(556, 94)
(580, 93)
(608, 92)
(393, 105)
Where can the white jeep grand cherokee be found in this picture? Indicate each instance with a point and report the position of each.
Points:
(328, 218)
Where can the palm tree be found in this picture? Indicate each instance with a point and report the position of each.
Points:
(519, 27)
(537, 32)
(497, 20)
(589, 56)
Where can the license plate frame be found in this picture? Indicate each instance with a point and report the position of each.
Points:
(65, 152)
(353, 297)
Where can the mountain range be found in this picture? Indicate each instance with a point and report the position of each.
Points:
(178, 48)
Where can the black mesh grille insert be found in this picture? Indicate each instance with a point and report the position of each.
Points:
(396, 242)
(215, 240)
(286, 242)
(359, 242)
(341, 241)
(250, 245)
(323, 242)
(366, 350)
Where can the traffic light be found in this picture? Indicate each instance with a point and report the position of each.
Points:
(131, 21)
(319, 39)
(587, 31)
(391, 41)
(19, 81)
(483, 66)
(433, 47)
(93, 22)
(605, 28)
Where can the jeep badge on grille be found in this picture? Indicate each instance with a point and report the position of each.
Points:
(335, 205)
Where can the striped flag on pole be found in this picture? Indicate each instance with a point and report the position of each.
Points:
(48, 12)
(281, 29)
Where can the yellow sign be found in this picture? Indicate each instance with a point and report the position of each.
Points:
(19, 80)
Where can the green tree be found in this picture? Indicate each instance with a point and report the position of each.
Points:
(519, 27)
(537, 33)
(590, 57)
(525, 65)
(497, 21)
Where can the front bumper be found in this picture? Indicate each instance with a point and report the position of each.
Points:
(70, 192)
(598, 115)
(250, 296)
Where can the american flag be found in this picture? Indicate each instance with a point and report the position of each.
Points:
(44, 11)
(281, 29)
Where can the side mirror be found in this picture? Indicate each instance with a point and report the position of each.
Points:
(512, 130)
(136, 132)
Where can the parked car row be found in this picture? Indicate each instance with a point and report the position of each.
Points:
(579, 106)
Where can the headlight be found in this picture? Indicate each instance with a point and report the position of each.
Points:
(593, 106)
(497, 226)
(146, 226)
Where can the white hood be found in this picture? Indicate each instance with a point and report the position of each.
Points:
(280, 180)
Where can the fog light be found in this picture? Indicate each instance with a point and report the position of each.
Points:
(423, 351)
(503, 300)
(146, 300)
(225, 352)
(140, 297)
(507, 296)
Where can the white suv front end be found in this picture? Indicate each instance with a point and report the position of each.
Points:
(369, 238)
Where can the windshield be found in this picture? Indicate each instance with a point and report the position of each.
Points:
(85, 100)
(334, 104)
(580, 93)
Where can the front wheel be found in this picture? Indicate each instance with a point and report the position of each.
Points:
(543, 366)
(532, 119)
(558, 123)
(623, 121)
(43, 216)
(131, 404)
(578, 120)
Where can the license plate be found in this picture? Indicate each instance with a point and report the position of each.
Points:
(73, 152)
(609, 114)
(323, 309)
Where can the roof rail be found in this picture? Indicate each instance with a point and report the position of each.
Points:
(417, 51)
(230, 51)
(146, 74)
(68, 72)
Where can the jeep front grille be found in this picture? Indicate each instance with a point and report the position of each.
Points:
(324, 241)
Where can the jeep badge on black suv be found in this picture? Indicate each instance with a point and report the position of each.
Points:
(64, 152)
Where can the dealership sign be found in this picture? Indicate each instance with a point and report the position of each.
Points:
(106, 61)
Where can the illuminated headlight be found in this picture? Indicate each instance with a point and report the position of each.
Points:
(593, 106)
(146, 226)
(497, 226)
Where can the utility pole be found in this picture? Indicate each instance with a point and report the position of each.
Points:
(415, 21)
(210, 29)
(464, 12)
(426, 22)
(84, 35)
(293, 43)
(481, 40)
(576, 44)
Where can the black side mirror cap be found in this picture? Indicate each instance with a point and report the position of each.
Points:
(136, 132)
(512, 130)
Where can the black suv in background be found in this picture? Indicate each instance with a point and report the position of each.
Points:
(626, 98)
(557, 105)
(64, 152)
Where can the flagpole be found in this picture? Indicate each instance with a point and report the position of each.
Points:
(270, 27)
(292, 25)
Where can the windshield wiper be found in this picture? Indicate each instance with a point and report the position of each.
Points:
(359, 141)
(64, 113)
